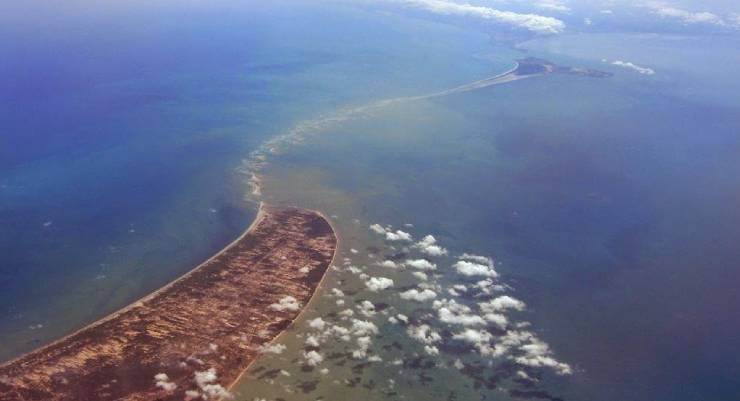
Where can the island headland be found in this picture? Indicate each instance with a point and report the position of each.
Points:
(193, 338)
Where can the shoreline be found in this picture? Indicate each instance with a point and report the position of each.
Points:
(112, 315)
(225, 303)
(305, 307)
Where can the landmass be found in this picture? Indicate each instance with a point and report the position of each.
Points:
(193, 338)
(537, 66)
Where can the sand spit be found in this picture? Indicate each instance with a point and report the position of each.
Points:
(194, 337)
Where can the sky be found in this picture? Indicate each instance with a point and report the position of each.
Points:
(548, 17)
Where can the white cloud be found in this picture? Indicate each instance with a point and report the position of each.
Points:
(419, 296)
(312, 341)
(317, 323)
(313, 358)
(431, 350)
(376, 284)
(420, 275)
(554, 5)
(634, 67)
(538, 354)
(363, 328)
(286, 303)
(398, 235)
(273, 348)
(501, 303)
(204, 377)
(389, 264)
(423, 334)
(163, 381)
(428, 245)
(366, 308)
(474, 269)
(531, 22)
(451, 312)
(498, 319)
(666, 10)
(377, 228)
(363, 344)
(735, 20)
(421, 264)
(210, 390)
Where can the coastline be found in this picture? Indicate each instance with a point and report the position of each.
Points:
(260, 215)
(305, 307)
(172, 314)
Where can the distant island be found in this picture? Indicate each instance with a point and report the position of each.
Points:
(194, 337)
(537, 66)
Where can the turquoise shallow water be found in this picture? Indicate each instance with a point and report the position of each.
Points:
(123, 139)
(607, 203)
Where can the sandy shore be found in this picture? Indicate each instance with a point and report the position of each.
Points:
(213, 320)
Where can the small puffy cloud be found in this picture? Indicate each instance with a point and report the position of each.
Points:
(429, 246)
(337, 292)
(476, 258)
(402, 318)
(431, 350)
(420, 264)
(163, 381)
(475, 337)
(420, 275)
(204, 377)
(423, 334)
(312, 358)
(531, 22)
(286, 303)
(634, 67)
(378, 229)
(389, 264)
(501, 303)
(363, 328)
(366, 308)
(312, 341)
(210, 390)
(317, 323)
(554, 5)
(398, 235)
(363, 344)
(665, 10)
(272, 348)
(419, 296)
(376, 284)
(498, 319)
(538, 354)
(475, 269)
(451, 312)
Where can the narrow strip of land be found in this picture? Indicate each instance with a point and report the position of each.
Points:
(194, 337)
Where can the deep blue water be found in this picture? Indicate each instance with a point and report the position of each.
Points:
(611, 205)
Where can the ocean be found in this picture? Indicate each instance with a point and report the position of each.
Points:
(607, 205)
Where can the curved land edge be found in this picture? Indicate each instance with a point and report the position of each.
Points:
(217, 316)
